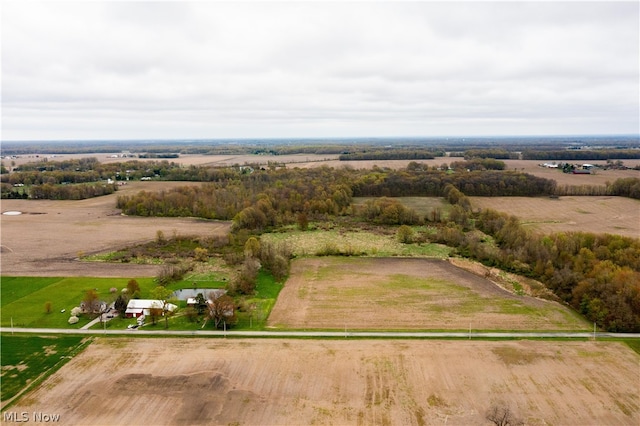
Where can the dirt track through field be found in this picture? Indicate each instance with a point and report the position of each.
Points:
(346, 382)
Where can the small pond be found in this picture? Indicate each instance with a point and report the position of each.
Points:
(186, 293)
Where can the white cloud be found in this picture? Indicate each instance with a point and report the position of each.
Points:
(269, 69)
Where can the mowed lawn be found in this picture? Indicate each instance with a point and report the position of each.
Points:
(24, 299)
(407, 294)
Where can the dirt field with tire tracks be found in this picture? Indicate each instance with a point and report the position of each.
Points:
(343, 382)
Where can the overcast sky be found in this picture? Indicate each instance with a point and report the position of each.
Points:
(143, 70)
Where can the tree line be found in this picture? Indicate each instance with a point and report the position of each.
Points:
(78, 178)
(580, 154)
(86, 170)
(390, 154)
(255, 201)
(474, 164)
(58, 192)
(415, 181)
(621, 187)
(267, 198)
(496, 153)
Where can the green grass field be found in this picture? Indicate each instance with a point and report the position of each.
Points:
(24, 298)
(633, 344)
(27, 360)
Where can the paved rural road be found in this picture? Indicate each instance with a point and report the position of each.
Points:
(346, 333)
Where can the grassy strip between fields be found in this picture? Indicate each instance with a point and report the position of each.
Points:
(27, 360)
(633, 344)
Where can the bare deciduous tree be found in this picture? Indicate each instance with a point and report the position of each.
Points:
(500, 414)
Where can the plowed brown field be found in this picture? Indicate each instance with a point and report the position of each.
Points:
(341, 382)
(600, 215)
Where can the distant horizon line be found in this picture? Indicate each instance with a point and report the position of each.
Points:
(329, 138)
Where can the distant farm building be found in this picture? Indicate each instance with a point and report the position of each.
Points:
(584, 170)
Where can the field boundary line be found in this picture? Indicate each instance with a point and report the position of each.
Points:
(333, 334)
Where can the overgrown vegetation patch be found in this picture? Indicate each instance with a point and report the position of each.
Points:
(352, 243)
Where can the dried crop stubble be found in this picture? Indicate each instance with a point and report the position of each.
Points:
(406, 293)
(610, 215)
(278, 381)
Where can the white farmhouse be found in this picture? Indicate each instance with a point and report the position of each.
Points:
(138, 307)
